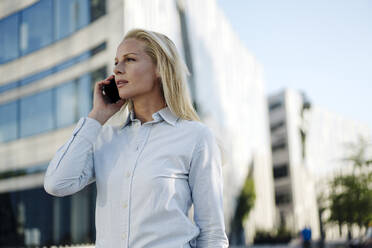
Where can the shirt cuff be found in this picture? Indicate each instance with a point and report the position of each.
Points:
(87, 128)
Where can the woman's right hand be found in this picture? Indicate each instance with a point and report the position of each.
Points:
(102, 110)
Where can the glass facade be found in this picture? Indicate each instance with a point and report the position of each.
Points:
(85, 88)
(280, 171)
(71, 15)
(8, 121)
(66, 104)
(32, 217)
(36, 113)
(35, 31)
(9, 42)
(43, 23)
(54, 69)
(51, 109)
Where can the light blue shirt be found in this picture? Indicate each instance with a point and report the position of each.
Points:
(147, 176)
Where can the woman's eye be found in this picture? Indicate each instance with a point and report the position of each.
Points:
(130, 59)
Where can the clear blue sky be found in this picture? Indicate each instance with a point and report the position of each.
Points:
(323, 48)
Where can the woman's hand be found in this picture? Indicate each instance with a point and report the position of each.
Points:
(102, 110)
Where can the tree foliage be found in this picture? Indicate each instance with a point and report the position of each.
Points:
(351, 194)
(244, 205)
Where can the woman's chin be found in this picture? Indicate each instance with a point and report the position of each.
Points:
(124, 96)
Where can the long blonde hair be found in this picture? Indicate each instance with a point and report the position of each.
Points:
(173, 74)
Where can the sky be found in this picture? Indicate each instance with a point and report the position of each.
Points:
(323, 48)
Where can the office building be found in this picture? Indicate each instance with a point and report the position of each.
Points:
(308, 148)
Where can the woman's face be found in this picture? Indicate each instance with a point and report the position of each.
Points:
(133, 65)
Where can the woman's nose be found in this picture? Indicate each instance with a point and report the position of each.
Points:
(117, 70)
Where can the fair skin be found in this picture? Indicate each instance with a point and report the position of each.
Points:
(143, 87)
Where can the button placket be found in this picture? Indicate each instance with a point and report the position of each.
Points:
(145, 131)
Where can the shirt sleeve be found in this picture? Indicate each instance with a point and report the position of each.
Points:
(206, 184)
(71, 168)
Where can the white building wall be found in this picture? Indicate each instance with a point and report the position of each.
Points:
(305, 210)
(329, 137)
(327, 134)
(230, 92)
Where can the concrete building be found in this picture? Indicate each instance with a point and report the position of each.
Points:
(51, 55)
(308, 146)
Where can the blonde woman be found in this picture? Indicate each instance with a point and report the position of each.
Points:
(152, 168)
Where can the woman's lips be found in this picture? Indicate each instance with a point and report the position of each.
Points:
(121, 83)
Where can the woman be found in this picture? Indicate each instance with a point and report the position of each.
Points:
(150, 170)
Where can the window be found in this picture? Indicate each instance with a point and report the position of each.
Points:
(36, 27)
(62, 66)
(70, 16)
(96, 76)
(36, 114)
(274, 105)
(282, 198)
(47, 220)
(84, 92)
(9, 38)
(97, 9)
(22, 172)
(99, 74)
(45, 22)
(97, 49)
(281, 144)
(66, 104)
(280, 171)
(276, 126)
(54, 108)
(8, 121)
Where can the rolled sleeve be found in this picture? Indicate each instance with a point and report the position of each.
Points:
(71, 168)
(206, 184)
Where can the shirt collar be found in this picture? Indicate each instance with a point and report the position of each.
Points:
(163, 114)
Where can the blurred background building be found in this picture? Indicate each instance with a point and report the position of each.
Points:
(309, 147)
(51, 54)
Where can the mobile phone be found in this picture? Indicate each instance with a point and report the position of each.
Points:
(111, 91)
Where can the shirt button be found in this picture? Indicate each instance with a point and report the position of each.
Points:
(128, 174)
(125, 205)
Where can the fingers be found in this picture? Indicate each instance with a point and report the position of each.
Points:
(105, 81)
(109, 78)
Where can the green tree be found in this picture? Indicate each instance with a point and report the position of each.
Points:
(245, 204)
(351, 194)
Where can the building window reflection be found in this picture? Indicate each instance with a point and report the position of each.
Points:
(36, 113)
(97, 9)
(9, 42)
(280, 171)
(66, 104)
(32, 217)
(43, 23)
(84, 95)
(36, 27)
(70, 16)
(8, 121)
(47, 110)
